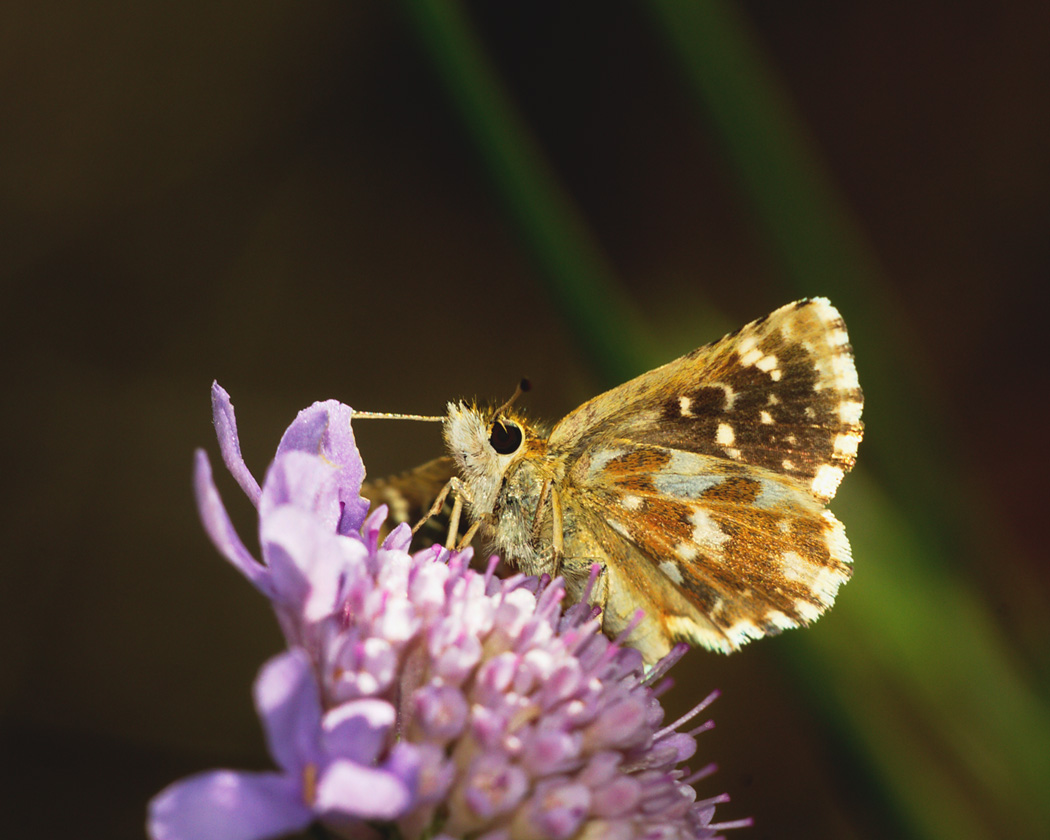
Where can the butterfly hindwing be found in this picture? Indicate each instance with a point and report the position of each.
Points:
(750, 551)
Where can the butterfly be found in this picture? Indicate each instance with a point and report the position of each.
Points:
(699, 488)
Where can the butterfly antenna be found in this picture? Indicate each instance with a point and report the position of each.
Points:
(523, 387)
(386, 415)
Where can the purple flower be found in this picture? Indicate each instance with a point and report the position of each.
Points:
(328, 761)
(421, 698)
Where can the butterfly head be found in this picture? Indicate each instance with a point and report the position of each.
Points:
(484, 444)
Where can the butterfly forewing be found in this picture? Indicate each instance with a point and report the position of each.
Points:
(781, 393)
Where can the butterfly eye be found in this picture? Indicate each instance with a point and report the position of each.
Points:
(505, 437)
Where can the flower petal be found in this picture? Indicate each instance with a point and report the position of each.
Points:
(357, 730)
(224, 805)
(229, 444)
(399, 539)
(220, 529)
(309, 564)
(351, 789)
(324, 430)
(305, 482)
(289, 706)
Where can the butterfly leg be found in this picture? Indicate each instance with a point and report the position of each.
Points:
(557, 533)
(457, 512)
(455, 486)
(435, 509)
(471, 531)
(545, 492)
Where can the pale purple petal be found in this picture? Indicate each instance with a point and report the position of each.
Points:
(494, 785)
(618, 797)
(557, 808)
(324, 429)
(399, 539)
(220, 529)
(550, 751)
(358, 730)
(436, 774)
(224, 805)
(308, 563)
(362, 792)
(441, 712)
(304, 481)
(406, 762)
(229, 444)
(373, 524)
(289, 706)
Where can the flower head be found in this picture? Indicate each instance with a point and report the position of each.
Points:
(420, 697)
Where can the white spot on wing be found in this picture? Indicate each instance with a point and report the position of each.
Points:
(686, 551)
(791, 563)
(686, 475)
(725, 436)
(751, 357)
(730, 394)
(846, 444)
(849, 412)
(684, 404)
(826, 481)
(779, 620)
(767, 363)
(684, 627)
(706, 532)
(632, 502)
(838, 338)
(670, 568)
(844, 372)
(837, 544)
(742, 631)
(773, 494)
(766, 418)
(600, 458)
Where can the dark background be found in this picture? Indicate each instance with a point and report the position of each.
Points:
(285, 197)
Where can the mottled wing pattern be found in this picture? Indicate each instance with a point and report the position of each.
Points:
(780, 393)
(717, 553)
(707, 480)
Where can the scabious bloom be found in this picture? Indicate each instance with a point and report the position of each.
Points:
(420, 698)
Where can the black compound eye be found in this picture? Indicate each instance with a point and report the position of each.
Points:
(505, 437)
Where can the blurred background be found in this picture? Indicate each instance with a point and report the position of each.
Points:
(395, 204)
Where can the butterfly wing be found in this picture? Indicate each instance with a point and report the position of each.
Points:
(716, 553)
(701, 485)
(780, 393)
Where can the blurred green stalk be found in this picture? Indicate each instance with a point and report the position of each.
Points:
(924, 684)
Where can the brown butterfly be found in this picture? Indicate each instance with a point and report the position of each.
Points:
(699, 488)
